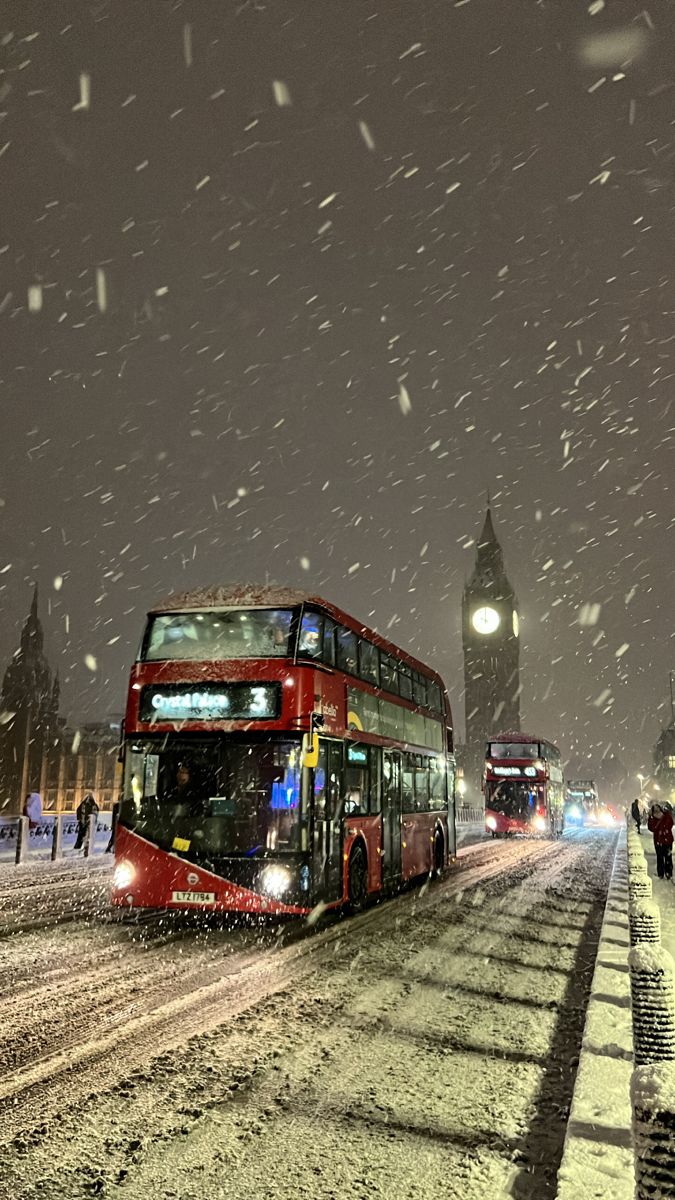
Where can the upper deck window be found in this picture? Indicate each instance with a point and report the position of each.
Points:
(310, 644)
(405, 682)
(369, 662)
(514, 750)
(419, 687)
(389, 673)
(220, 634)
(346, 650)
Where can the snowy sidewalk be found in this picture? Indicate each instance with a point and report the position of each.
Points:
(663, 895)
(598, 1156)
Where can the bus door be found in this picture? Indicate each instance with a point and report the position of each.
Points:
(452, 827)
(327, 880)
(391, 816)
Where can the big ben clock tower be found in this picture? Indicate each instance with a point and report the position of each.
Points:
(490, 636)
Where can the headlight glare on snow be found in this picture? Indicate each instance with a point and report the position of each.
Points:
(123, 876)
(275, 880)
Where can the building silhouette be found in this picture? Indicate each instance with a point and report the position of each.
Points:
(490, 638)
(29, 703)
(84, 758)
(39, 750)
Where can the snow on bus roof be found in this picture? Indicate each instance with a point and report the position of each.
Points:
(242, 595)
(516, 735)
(256, 595)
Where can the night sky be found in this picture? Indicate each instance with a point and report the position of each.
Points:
(287, 285)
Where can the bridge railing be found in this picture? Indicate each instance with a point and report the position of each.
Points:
(470, 816)
(53, 836)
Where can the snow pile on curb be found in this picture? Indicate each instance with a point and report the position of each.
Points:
(598, 1156)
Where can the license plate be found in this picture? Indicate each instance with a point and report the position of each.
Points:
(193, 897)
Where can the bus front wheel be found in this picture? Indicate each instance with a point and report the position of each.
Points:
(357, 880)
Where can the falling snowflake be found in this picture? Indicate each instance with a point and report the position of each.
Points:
(366, 135)
(404, 401)
(282, 96)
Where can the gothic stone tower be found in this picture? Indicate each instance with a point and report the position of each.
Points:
(29, 708)
(491, 653)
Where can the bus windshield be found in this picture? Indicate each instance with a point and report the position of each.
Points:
(219, 634)
(514, 750)
(511, 798)
(217, 797)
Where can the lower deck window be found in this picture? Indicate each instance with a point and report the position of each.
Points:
(233, 798)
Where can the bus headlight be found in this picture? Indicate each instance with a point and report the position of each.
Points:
(275, 880)
(606, 818)
(574, 813)
(123, 876)
(491, 822)
(539, 823)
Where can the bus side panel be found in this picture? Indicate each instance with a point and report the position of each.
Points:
(417, 843)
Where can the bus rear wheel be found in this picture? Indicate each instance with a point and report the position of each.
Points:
(357, 880)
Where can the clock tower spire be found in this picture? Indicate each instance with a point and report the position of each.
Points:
(490, 637)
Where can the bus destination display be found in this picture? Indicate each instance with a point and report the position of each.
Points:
(211, 702)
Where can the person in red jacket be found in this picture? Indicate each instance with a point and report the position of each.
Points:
(660, 823)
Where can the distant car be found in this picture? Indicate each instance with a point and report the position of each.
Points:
(574, 814)
(607, 817)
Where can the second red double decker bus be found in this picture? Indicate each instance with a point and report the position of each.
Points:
(523, 786)
(278, 756)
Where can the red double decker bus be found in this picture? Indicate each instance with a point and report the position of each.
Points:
(278, 756)
(523, 785)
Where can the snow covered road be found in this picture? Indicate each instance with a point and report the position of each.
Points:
(37, 895)
(427, 1047)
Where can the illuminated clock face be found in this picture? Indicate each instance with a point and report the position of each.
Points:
(485, 619)
(516, 623)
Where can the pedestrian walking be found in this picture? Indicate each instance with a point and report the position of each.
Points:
(636, 814)
(86, 808)
(660, 824)
(32, 809)
(115, 814)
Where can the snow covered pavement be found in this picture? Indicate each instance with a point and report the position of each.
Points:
(38, 894)
(427, 1047)
(664, 895)
(598, 1155)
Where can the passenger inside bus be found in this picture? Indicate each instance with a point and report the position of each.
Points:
(183, 791)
